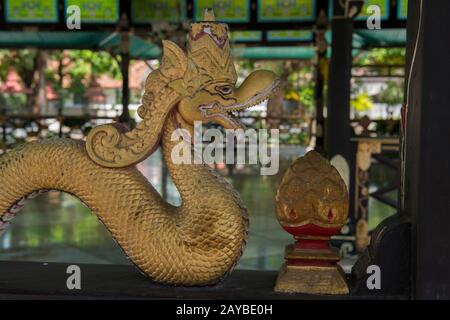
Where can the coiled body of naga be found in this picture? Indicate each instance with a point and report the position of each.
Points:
(196, 243)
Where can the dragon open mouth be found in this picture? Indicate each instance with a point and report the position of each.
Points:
(227, 116)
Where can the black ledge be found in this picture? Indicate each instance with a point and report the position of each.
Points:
(36, 280)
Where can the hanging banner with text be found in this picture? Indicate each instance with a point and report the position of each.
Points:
(290, 35)
(286, 11)
(246, 36)
(29, 11)
(382, 4)
(225, 10)
(147, 11)
(402, 13)
(96, 11)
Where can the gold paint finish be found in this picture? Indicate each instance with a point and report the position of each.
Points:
(364, 153)
(311, 279)
(194, 244)
(200, 82)
(312, 192)
(362, 235)
(312, 205)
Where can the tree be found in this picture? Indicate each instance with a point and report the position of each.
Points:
(381, 56)
(377, 61)
(77, 67)
(30, 65)
(74, 66)
(296, 88)
(391, 94)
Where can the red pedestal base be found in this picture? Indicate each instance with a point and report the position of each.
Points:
(311, 264)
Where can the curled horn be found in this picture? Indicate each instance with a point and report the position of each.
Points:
(112, 146)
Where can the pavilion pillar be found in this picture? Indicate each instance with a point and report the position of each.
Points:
(124, 69)
(426, 154)
(337, 132)
(338, 147)
(321, 60)
(319, 104)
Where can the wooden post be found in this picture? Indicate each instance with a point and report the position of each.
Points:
(337, 135)
(337, 122)
(321, 55)
(124, 69)
(427, 156)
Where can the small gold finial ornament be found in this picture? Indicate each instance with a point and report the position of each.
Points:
(208, 15)
(312, 205)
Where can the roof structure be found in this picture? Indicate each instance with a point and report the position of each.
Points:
(143, 49)
(263, 30)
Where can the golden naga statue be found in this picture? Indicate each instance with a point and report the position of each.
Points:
(197, 243)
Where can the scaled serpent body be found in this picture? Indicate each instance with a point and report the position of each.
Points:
(196, 243)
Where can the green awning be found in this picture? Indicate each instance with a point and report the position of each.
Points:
(143, 49)
(361, 38)
(382, 37)
(266, 53)
(50, 40)
(376, 38)
(139, 48)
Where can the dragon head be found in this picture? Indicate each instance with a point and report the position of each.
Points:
(208, 89)
(219, 101)
(199, 84)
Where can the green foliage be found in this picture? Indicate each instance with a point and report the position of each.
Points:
(300, 86)
(78, 66)
(23, 61)
(387, 56)
(100, 62)
(298, 83)
(12, 102)
(307, 96)
(300, 138)
(391, 94)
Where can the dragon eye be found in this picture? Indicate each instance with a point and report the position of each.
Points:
(224, 89)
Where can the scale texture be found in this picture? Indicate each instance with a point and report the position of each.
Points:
(196, 243)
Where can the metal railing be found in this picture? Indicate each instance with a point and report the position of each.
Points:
(15, 129)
